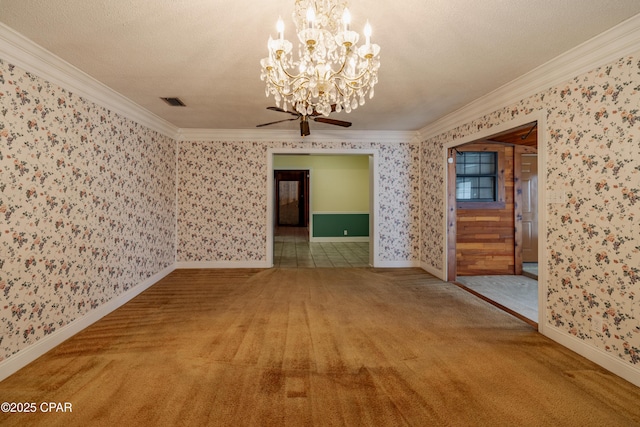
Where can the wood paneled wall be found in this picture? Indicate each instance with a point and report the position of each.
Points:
(485, 236)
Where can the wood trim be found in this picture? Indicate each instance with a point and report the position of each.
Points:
(483, 205)
(519, 150)
(307, 197)
(451, 218)
(517, 208)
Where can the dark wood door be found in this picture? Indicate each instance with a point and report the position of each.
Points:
(292, 188)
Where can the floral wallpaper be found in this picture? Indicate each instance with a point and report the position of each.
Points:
(592, 151)
(432, 205)
(87, 207)
(222, 199)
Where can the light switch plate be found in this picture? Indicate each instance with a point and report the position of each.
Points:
(556, 196)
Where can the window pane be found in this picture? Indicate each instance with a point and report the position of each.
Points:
(472, 157)
(463, 189)
(486, 182)
(487, 168)
(471, 169)
(486, 193)
(487, 157)
(474, 181)
(476, 176)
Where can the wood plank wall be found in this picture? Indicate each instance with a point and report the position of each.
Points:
(485, 236)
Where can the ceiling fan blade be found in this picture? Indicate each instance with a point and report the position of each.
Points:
(332, 122)
(280, 110)
(273, 123)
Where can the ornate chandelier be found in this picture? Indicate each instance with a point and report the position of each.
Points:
(331, 73)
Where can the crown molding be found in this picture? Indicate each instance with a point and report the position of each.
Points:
(609, 46)
(24, 53)
(268, 135)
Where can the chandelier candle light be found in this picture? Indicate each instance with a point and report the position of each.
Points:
(332, 73)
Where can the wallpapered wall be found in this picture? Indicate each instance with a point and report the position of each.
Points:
(87, 207)
(432, 208)
(593, 153)
(222, 199)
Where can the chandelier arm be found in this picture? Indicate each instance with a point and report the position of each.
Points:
(290, 94)
(295, 79)
(344, 64)
(293, 82)
(307, 100)
(278, 85)
(284, 70)
(355, 79)
(349, 81)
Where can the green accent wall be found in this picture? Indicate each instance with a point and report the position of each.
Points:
(333, 225)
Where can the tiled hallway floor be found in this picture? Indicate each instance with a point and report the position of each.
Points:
(292, 249)
(530, 269)
(517, 293)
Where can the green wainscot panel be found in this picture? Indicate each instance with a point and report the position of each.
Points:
(333, 225)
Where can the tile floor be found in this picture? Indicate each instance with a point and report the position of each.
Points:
(517, 293)
(530, 269)
(292, 249)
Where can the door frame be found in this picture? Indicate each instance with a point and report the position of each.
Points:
(373, 194)
(304, 215)
(518, 153)
(450, 211)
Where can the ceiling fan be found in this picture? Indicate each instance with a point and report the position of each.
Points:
(304, 120)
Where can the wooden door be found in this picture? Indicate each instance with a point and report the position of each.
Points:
(291, 198)
(529, 208)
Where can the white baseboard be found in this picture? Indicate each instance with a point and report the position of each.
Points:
(22, 358)
(223, 264)
(397, 264)
(608, 361)
(438, 273)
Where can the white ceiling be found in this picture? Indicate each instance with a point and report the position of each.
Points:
(437, 55)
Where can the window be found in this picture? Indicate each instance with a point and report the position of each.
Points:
(476, 176)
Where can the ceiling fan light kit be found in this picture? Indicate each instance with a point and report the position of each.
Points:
(332, 73)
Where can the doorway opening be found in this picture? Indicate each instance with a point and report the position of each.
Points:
(492, 233)
(292, 194)
(321, 206)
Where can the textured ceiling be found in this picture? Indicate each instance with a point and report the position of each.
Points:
(436, 56)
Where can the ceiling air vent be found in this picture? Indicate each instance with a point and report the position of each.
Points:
(174, 102)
